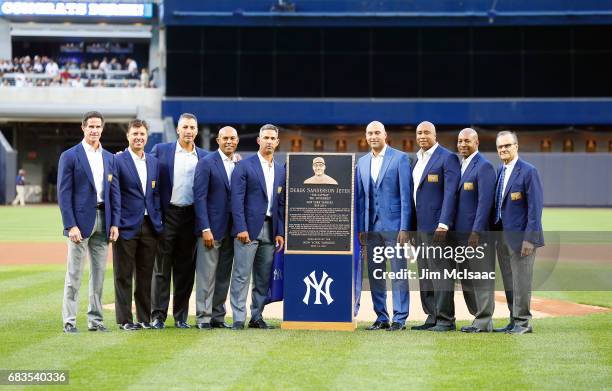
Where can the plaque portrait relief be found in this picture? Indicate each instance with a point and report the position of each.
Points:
(319, 209)
(319, 177)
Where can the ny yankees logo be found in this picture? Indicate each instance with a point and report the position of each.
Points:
(311, 282)
(278, 274)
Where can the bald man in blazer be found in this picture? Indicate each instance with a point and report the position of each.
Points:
(435, 177)
(384, 216)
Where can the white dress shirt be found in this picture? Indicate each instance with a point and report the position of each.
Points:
(229, 164)
(141, 168)
(376, 163)
(184, 170)
(94, 157)
(509, 168)
(268, 170)
(417, 172)
(466, 162)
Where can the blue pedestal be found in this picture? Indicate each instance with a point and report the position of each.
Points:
(319, 292)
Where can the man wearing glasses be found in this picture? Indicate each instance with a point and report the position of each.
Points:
(518, 213)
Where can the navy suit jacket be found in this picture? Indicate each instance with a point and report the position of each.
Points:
(475, 196)
(250, 201)
(437, 191)
(165, 155)
(76, 192)
(394, 184)
(133, 200)
(522, 204)
(211, 196)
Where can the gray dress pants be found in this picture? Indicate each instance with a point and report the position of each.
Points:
(256, 257)
(213, 271)
(517, 273)
(97, 245)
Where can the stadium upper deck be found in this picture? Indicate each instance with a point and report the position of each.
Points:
(479, 62)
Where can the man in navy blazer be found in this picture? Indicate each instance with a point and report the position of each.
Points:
(475, 195)
(88, 197)
(384, 215)
(435, 179)
(215, 250)
(175, 257)
(139, 227)
(518, 212)
(258, 212)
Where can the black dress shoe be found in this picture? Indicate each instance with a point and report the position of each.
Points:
(424, 326)
(158, 324)
(396, 326)
(204, 326)
(219, 325)
(68, 328)
(144, 325)
(179, 324)
(238, 326)
(443, 328)
(99, 327)
(259, 324)
(378, 325)
(508, 327)
(470, 329)
(519, 330)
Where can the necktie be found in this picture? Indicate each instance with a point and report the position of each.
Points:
(499, 194)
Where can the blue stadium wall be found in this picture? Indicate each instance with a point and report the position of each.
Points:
(532, 110)
(388, 12)
(563, 174)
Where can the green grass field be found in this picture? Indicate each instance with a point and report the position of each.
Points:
(563, 353)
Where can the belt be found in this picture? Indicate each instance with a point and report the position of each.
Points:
(268, 218)
(184, 207)
(100, 206)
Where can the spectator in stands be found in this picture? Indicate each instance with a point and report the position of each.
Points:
(43, 71)
(154, 78)
(132, 68)
(5, 66)
(20, 183)
(52, 69)
(64, 75)
(52, 185)
(37, 67)
(26, 64)
(103, 65)
(144, 78)
(83, 70)
(115, 65)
